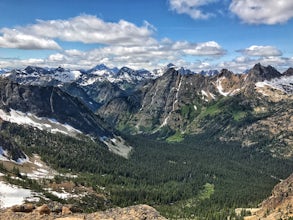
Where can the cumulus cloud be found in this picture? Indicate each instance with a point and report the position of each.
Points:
(210, 48)
(12, 38)
(121, 43)
(84, 29)
(266, 55)
(144, 56)
(241, 64)
(261, 51)
(90, 29)
(191, 8)
(263, 11)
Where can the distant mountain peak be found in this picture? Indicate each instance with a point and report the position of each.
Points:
(171, 65)
(260, 73)
(288, 72)
(209, 72)
(60, 69)
(101, 67)
(225, 73)
(32, 69)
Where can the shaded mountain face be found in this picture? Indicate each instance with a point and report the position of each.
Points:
(93, 87)
(52, 103)
(289, 72)
(260, 73)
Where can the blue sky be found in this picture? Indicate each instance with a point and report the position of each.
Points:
(196, 34)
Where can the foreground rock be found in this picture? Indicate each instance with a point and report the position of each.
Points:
(138, 212)
(130, 213)
(279, 205)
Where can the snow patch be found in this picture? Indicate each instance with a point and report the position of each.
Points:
(4, 156)
(40, 170)
(67, 76)
(11, 195)
(22, 160)
(63, 194)
(212, 95)
(261, 84)
(204, 93)
(30, 119)
(220, 88)
(39, 174)
(89, 81)
(234, 92)
(38, 164)
(117, 145)
(284, 83)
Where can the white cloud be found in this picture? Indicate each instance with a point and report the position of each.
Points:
(122, 43)
(263, 11)
(90, 29)
(191, 8)
(12, 38)
(210, 48)
(56, 57)
(84, 28)
(262, 51)
(241, 64)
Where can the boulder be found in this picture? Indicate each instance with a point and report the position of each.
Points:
(23, 208)
(66, 210)
(44, 209)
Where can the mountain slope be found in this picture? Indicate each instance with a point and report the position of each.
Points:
(242, 107)
(93, 87)
(50, 102)
(51, 109)
(278, 205)
(231, 132)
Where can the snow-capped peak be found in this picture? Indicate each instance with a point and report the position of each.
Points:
(32, 75)
(209, 72)
(3, 70)
(102, 68)
(164, 69)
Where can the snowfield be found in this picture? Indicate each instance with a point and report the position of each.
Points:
(220, 88)
(46, 124)
(4, 156)
(284, 84)
(39, 170)
(11, 195)
(117, 145)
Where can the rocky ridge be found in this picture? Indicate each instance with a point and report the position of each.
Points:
(29, 211)
(279, 205)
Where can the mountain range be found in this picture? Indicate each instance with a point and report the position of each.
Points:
(166, 102)
(109, 110)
